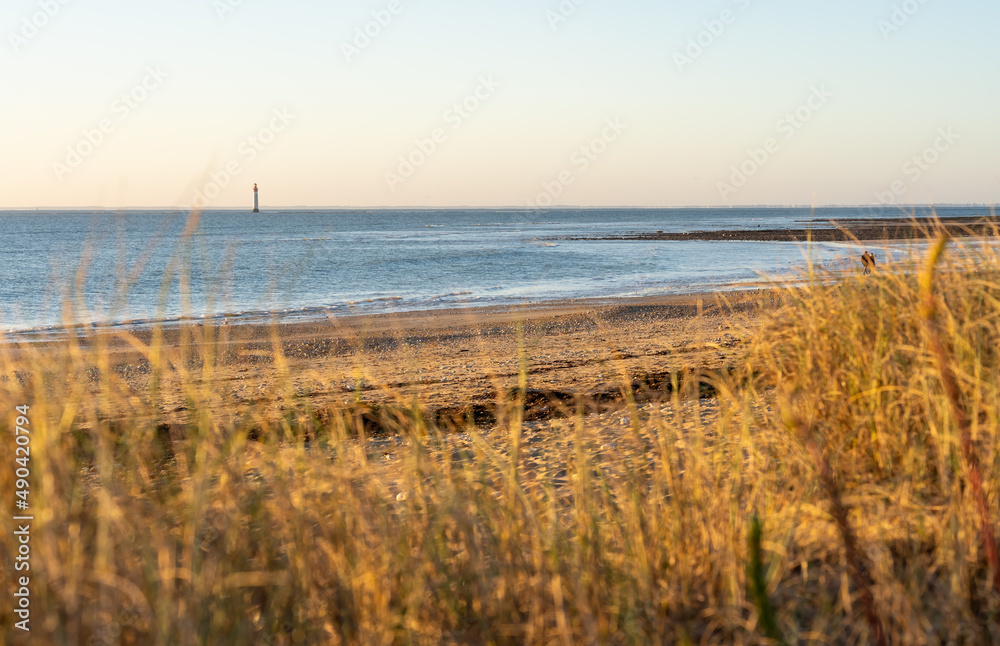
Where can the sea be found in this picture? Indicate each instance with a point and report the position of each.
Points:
(132, 267)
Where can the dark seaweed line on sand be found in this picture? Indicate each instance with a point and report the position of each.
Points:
(838, 232)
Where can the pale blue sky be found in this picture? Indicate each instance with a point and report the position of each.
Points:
(889, 98)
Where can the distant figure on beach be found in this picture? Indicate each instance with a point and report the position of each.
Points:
(868, 260)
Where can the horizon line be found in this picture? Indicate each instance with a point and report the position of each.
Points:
(504, 208)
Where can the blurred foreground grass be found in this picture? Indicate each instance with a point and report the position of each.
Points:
(824, 494)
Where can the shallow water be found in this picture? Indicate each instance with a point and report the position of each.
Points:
(357, 261)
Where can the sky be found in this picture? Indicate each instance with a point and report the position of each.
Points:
(410, 103)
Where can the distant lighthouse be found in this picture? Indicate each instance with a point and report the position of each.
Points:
(256, 202)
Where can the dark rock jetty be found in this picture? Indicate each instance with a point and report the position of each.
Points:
(829, 231)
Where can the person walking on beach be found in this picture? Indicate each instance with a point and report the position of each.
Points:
(868, 261)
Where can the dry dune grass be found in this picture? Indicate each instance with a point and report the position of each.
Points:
(826, 493)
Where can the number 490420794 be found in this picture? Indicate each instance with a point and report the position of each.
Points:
(23, 438)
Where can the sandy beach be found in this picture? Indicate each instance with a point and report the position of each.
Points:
(453, 362)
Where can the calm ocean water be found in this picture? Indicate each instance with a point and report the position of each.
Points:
(353, 261)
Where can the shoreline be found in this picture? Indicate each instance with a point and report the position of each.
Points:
(313, 316)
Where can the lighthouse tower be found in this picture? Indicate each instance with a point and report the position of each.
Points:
(256, 202)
